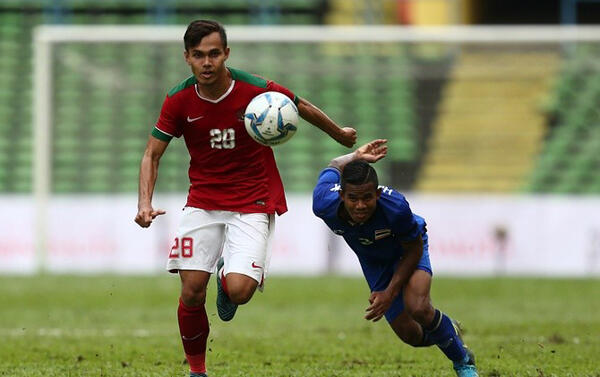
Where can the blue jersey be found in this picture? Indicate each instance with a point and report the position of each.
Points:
(378, 239)
(377, 242)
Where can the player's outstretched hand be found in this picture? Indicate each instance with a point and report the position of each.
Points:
(372, 151)
(348, 137)
(380, 303)
(145, 216)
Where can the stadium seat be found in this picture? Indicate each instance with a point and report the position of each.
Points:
(89, 107)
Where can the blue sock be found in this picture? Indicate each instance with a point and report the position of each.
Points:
(442, 333)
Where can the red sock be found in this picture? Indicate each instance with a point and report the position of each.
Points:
(193, 327)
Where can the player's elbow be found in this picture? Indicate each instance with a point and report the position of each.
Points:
(414, 247)
(317, 206)
(316, 210)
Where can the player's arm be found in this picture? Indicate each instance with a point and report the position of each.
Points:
(148, 174)
(370, 152)
(312, 114)
(382, 300)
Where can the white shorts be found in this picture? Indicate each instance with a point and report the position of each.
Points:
(243, 239)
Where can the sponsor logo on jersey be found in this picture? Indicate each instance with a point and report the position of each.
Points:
(365, 241)
(382, 233)
(260, 203)
(254, 265)
(336, 187)
(190, 120)
(385, 190)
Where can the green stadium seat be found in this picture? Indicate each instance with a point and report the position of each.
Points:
(116, 130)
(67, 158)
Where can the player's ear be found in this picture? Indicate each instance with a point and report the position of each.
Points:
(186, 55)
(226, 51)
(379, 191)
(341, 194)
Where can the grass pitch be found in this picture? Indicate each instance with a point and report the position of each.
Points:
(127, 326)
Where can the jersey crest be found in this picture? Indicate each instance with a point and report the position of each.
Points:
(382, 233)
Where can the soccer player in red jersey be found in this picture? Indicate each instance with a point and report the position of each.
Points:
(235, 186)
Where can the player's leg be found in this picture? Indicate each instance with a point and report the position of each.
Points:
(437, 327)
(240, 287)
(408, 330)
(246, 258)
(195, 254)
(192, 318)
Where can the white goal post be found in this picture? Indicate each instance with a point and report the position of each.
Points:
(45, 37)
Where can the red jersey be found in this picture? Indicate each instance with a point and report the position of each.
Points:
(228, 170)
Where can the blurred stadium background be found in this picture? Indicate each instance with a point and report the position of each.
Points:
(496, 143)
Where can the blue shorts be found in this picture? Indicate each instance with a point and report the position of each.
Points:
(379, 276)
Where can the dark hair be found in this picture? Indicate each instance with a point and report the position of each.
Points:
(199, 29)
(359, 172)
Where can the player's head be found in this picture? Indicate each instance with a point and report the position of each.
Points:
(199, 29)
(206, 51)
(360, 190)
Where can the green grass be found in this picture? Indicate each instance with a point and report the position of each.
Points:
(127, 326)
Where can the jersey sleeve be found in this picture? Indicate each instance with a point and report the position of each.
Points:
(326, 192)
(273, 86)
(167, 125)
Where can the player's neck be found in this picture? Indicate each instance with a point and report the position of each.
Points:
(216, 89)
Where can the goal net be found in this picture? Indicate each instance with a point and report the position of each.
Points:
(98, 92)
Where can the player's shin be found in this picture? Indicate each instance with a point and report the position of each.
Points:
(194, 329)
(441, 332)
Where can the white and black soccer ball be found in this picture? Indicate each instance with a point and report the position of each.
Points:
(271, 118)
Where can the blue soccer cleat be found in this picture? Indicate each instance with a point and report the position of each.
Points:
(466, 367)
(225, 307)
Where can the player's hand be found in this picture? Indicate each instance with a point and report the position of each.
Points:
(380, 303)
(348, 137)
(146, 214)
(372, 151)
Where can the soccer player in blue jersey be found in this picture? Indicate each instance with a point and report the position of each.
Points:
(391, 245)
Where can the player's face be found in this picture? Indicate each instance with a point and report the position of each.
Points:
(207, 60)
(360, 201)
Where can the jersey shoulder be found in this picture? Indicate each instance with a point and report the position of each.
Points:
(190, 81)
(248, 78)
(326, 196)
(394, 203)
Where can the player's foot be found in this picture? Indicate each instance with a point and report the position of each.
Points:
(466, 367)
(225, 307)
(192, 374)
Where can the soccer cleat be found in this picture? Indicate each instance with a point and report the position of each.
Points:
(225, 307)
(192, 374)
(465, 368)
(458, 328)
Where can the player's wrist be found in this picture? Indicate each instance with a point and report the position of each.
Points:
(144, 206)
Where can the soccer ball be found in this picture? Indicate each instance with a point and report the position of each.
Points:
(271, 118)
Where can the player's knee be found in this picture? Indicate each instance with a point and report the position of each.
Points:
(193, 295)
(421, 311)
(241, 294)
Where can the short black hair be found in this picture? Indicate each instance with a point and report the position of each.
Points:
(359, 172)
(199, 29)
